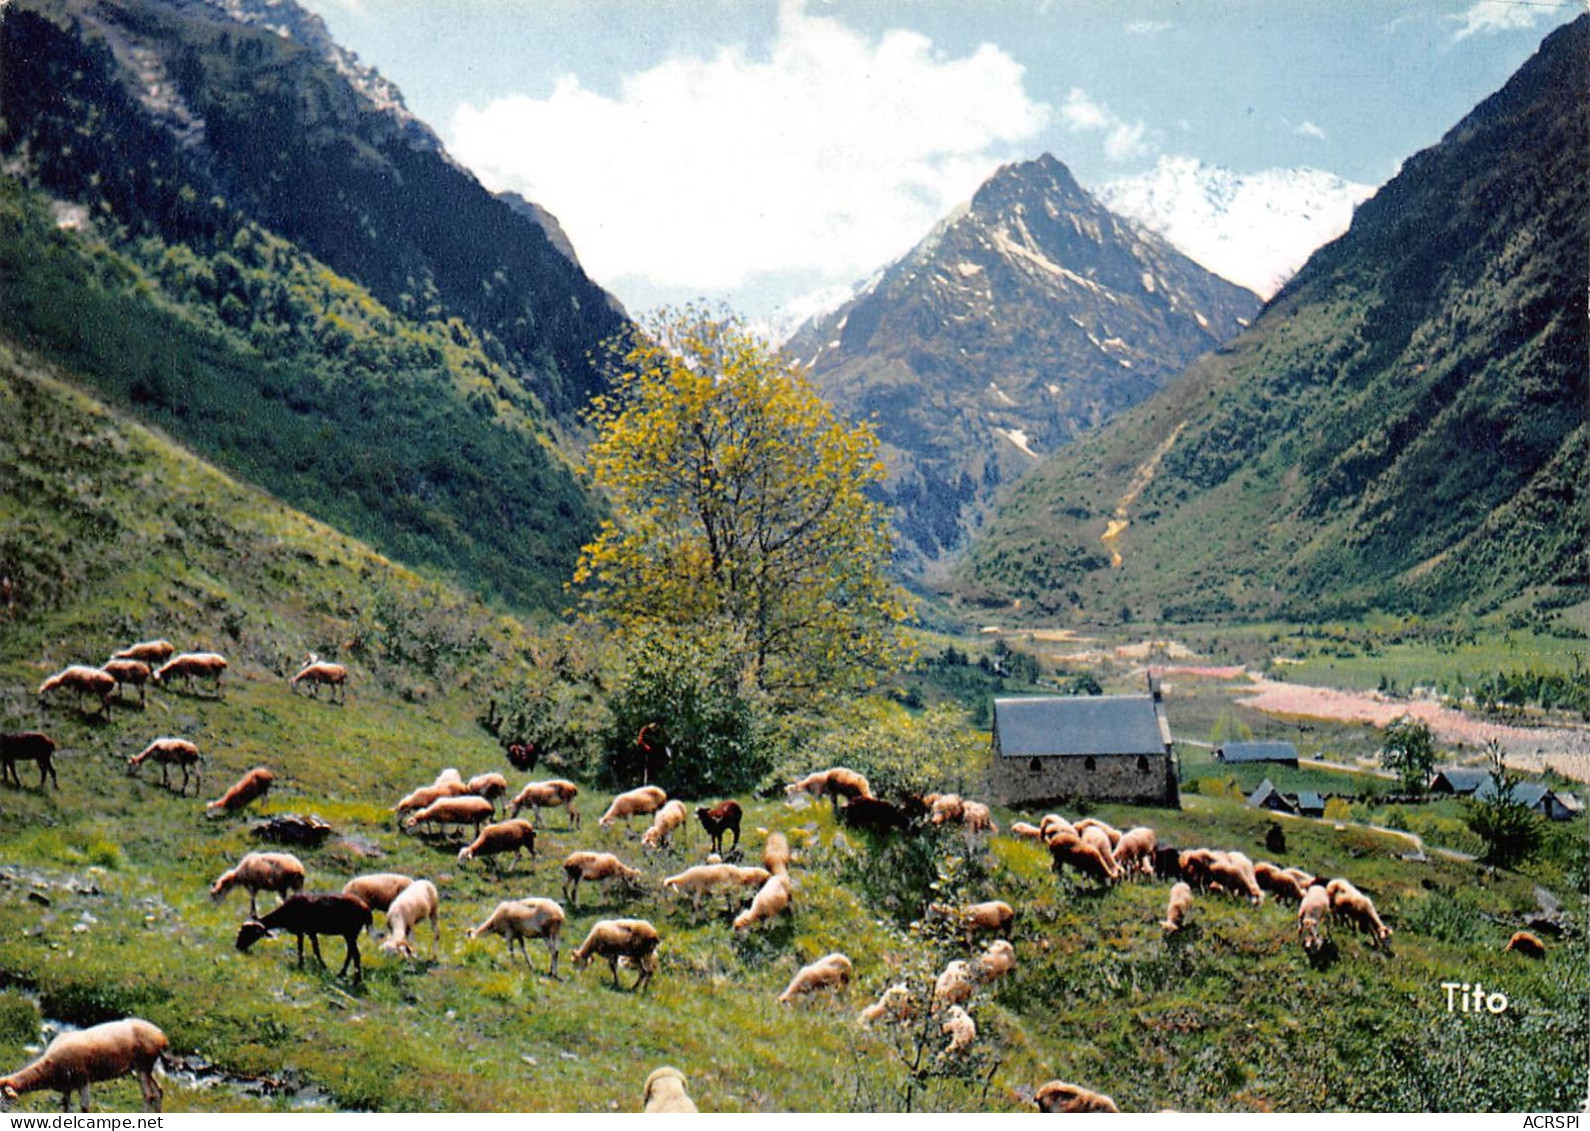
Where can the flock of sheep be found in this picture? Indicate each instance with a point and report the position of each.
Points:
(1087, 846)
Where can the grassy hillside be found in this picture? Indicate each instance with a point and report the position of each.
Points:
(1402, 429)
(104, 910)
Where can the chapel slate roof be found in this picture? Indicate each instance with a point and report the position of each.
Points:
(1076, 725)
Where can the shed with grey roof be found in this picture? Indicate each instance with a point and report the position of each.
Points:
(1282, 753)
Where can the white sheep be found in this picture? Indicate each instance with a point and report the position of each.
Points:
(129, 673)
(775, 854)
(664, 823)
(1177, 908)
(88, 1056)
(596, 867)
(772, 899)
(633, 939)
(997, 961)
(147, 651)
(962, 1031)
(495, 840)
(168, 752)
(832, 971)
(519, 919)
(316, 672)
(378, 889)
(413, 905)
(551, 794)
(665, 1093)
(249, 788)
(490, 786)
(191, 666)
(82, 680)
(840, 781)
(280, 872)
(895, 1004)
(464, 809)
(956, 983)
(640, 802)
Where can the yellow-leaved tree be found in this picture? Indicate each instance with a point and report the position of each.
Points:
(740, 508)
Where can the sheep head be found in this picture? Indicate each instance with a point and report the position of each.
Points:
(250, 933)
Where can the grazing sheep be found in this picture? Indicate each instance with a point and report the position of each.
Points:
(1312, 914)
(168, 752)
(377, 889)
(316, 672)
(1099, 840)
(413, 905)
(1282, 884)
(994, 915)
(82, 680)
(78, 1059)
(250, 788)
(1526, 944)
(1193, 865)
(461, 810)
(27, 746)
(663, 825)
(1305, 880)
(449, 776)
(1051, 823)
(1134, 852)
(1025, 831)
(1177, 909)
(896, 1004)
(1067, 848)
(962, 1031)
(597, 867)
(1348, 903)
(280, 872)
(1234, 872)
(1167, 862)
(665, 1094)
(490, 786)
(426, 796)
(945, 808)
(129, 673)
(512, 836)
(956, 983)
(775, 854)
(830, 972)
(612, 939)
(1059, 1098)
(191, 666)
(721, 818)
(1113, 834)
(640, 802)
(704, 879)
(147, 651)
(772, 899)
(833, 784)
(314, 915)
(519, 919)
(976, 818)
(552, 794)
(997, 961)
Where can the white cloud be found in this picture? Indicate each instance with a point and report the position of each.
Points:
(1123, 140)
(832, 153)
(1148, 27)
(1492, 16)
(1309, 129)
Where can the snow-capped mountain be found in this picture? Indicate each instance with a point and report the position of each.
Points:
(1255, 229)
(1025, 317)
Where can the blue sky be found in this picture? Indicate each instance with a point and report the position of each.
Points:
(751, 152)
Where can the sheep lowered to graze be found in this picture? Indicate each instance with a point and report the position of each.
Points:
(704, 879)
(314, 915)
(896, 1004)
(613, 939)
(515, 836)
(961, 1030)
(1312, 914)
(317, 673)
(490, 786)
(250, 788)
(994, 915)
(428, 795)
(413, 905)
(1067, 849)
(596, 867)
(519, 919)
(27, 746)
(830, 972)
(665, 1093)
(1058, 1097)
(82, 680)
(1526, 944)
(1134, 852)
(147, 651)
(378, 889)
(773, 898)
(1233, 871)
(833, 784)
(721, 818)
(956, 983)
(191, 666)
(1279, 882)
(168, 752)
(1352, 905)
(664, 824)
(464, 809)
(129, 673)
(1113, 834)
(640, 802)
(775, 854)
(1177, 908)
(78, 1059)
(997, 961)
(554, 794)
(280, 872)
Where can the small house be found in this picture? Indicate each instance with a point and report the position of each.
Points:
(1281, 753)
(1049, 749)
(1459, 782)
(1310, 804)
(1266, 796)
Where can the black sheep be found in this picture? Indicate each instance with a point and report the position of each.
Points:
(314, 915)
(27, 746)
(721, 818)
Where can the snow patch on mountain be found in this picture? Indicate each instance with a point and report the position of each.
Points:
(1255, 229)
